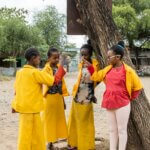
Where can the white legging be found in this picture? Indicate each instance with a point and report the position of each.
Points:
(118, 120)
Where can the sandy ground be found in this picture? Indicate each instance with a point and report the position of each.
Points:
(9, 122)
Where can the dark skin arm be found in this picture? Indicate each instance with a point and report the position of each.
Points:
(13, 111)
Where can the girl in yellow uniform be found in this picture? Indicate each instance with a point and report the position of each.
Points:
(28, 102)
(122, 86)
(54, 116)
(81, 130)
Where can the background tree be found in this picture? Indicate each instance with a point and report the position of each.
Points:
(101, 29)
(15, 34)
(133, 21)
(52, 26)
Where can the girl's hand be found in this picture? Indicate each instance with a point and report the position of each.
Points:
(86, 63)
(59, 74)
(13, 111)
(62, 60)
(89, 66)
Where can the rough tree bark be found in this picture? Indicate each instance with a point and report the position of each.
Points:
(101, 29)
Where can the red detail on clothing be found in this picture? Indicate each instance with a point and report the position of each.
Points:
(91, 69)
(59, 74)
(116, 94)
(135, 94)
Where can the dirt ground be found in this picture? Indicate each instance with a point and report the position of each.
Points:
(9, 121)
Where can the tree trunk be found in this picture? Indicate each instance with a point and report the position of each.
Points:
(136, 51)
(101, 29)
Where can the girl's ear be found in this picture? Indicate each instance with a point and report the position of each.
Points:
(33, 58)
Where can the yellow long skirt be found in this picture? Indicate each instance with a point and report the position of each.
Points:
(55, 126)
(31, 132)
(81, 130)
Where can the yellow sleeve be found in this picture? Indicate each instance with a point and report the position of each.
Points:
(136, 82)
(64, 89)
(13, 103)
(97, 67)
(43, 78)
(15, 86)
(15, 83)
(98, 76)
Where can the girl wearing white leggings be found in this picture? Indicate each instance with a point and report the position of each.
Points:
(117, 120)
(122, 86)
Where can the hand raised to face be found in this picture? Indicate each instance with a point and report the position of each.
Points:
(62, 60)
(85, 62)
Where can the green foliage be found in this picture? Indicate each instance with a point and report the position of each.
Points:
(126, 20)
(144, 22)
(133, 20)
(51, 24)
(8, 13)
(16, 34)
(138, 5)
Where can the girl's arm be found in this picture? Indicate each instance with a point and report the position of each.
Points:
(43, 77)
(136, 85)
(13, 111)
(96, 76)
(91, 69)
(136, 82)
(59, 74)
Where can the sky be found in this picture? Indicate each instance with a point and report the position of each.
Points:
(34, 5)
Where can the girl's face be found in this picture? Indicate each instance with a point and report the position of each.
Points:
(85, 54)
(35, 61)
(54, 58)
(113, 59)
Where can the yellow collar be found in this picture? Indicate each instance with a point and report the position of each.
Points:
(47, 65)
(29, 66)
